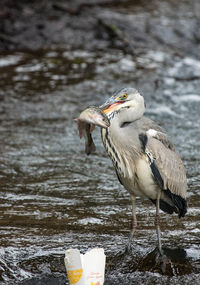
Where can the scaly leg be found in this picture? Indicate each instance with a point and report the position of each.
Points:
(161, 258)
(134, 218)
(133, 222)
(157, 222)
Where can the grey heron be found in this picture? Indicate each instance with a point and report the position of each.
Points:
(145, 160)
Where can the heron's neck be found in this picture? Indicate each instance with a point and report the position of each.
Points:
(126, 115)
(121, 142)
(119, 131)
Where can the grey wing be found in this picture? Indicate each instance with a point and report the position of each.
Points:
(165, 157)
(169, 165)
(167, 169)
(145, 124)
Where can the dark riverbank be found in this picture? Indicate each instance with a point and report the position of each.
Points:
(100, 24)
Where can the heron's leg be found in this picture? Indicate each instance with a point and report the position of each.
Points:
(134, 218)
(157, 221)
(161, 258)
(133, 223)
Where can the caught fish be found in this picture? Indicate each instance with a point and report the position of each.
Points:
(88, 119)
(94, 115)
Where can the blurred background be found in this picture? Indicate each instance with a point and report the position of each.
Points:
(56, 58)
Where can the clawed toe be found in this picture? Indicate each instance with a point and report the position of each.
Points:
(162, 260)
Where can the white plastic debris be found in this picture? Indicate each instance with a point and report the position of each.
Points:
(85, 269)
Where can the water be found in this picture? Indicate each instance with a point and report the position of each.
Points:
(54, 197)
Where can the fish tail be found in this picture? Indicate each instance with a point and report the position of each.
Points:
(80, 125)
(90, 148)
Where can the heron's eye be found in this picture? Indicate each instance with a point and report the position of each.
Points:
(124, 96)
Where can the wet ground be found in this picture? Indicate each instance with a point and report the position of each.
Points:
(53, 196)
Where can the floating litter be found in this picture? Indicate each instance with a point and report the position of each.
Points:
(85, 269)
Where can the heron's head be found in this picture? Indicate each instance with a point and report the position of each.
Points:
(124, 99)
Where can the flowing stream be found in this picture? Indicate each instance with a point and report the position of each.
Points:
(54, 197)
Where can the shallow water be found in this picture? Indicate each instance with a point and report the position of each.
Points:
(54, 197)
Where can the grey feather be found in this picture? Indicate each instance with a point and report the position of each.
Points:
(169, 164)
(144, 158)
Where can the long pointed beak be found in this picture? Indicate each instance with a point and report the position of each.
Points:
(108, 103)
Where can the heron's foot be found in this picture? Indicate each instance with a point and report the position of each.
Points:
(162, 260)
(127, 250)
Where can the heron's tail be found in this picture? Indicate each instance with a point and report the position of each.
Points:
(179, 202)
(179, 207)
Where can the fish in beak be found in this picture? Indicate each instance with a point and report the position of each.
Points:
(86, 122)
